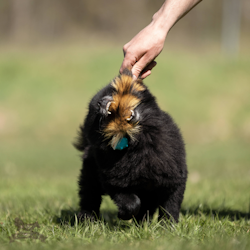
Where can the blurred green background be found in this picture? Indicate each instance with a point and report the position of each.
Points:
(55, 55)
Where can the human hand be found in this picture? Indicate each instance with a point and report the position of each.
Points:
(140, 52)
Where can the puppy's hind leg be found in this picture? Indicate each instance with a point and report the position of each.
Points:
(90, 190)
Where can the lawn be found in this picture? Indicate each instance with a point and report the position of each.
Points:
(44, 95)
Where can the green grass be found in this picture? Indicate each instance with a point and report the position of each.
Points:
(43, 99)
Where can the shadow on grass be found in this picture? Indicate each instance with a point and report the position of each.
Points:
(221, 213)
(69, 217)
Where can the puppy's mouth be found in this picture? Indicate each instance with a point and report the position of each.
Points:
(119, 141)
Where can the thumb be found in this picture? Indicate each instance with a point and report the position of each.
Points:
(128, 62)
(139, 66)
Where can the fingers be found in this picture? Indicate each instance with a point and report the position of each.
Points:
(129, 59)
(138, 68)
(147, 70)
(142, 66)
(128, 62)
(139, 57)
(146, 74)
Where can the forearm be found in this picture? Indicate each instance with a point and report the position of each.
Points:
(171, 12)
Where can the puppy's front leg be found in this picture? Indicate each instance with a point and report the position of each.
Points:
(90, 190)
(170, 204)
(128, 205)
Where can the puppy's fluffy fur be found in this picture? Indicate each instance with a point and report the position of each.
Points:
(150, 173)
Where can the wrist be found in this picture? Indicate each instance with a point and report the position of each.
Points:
(161, 23)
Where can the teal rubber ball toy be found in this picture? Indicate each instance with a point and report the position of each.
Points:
(123, 143)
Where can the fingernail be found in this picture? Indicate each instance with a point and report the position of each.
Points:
(134, 77)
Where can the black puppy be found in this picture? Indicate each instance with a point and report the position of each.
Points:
(133, 151)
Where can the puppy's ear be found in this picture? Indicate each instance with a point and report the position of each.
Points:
(127, 72)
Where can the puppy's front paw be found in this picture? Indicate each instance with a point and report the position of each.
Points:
(128, 205)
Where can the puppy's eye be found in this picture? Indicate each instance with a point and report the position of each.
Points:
(132, 115)
(104, 105)
(107, 108)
